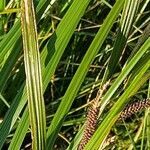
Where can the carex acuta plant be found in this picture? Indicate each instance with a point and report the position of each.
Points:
(67, 42)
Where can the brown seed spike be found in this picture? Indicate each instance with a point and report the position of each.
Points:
(90, 126)
(134, 108)
(92, 117)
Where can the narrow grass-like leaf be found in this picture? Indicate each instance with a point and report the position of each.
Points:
(127, 17)
(75, 142)
(33, 76)
(130, 137)
(148, 128)
(125, 71)
(2, 6)
(80, 74)
(137, 68)
(12, 114)
(9, 63)
(7, 43)
(4, 101)
(8, 11)
(137, 135)
(19, 137)
(113, 114)
(148, 119)
(142, 39)
(143, 145)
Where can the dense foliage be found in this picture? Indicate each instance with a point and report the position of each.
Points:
(55, 56)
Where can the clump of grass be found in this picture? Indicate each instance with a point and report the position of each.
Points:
(78, 41)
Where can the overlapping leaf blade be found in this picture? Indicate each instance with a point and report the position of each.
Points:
(33, 76)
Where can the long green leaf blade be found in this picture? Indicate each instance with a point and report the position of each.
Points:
(33, 76)
(19, 137)
(127, 17)
(125, 71)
